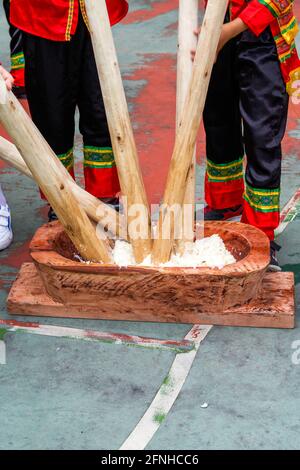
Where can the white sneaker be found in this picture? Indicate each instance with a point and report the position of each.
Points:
(6, 234)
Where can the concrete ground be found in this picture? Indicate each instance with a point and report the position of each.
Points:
(60, 393)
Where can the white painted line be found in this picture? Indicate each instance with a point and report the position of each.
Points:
(171, 387)
(167, 394)
(289, 213)
(180, 346)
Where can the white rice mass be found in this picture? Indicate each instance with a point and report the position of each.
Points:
(208, 252)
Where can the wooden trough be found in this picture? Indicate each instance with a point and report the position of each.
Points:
(241, 294)
(55, 284)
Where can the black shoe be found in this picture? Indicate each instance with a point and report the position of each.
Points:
(274, 265)
(51, 215)
(19, 92)
(232, 213)
(114, 202)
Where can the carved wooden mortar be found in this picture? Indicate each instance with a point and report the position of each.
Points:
(157, 291)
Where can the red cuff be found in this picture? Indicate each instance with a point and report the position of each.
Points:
(19, 78)
(257, 17)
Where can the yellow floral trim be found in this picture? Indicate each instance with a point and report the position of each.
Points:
(70, 20)
(278, 7)
(83, 12)
(294, 76)
(18, 61)
(67, 159)
(225, 171)
(290, 30)
(97, 157)
(263, 200)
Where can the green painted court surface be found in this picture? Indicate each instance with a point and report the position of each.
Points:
(59, 393)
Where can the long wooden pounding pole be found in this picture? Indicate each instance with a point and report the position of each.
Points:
(187, 41)
(52, 178)
(188, 129)
(120, 128)
(97, 211)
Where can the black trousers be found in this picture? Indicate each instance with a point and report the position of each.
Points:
(247, 88)
(15, 34)
(246, 113)
(16, 54)
(61, 76)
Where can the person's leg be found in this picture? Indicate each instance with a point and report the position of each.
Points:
(51, 93)
(6, 234)
(17, 71)
(17, 55)
(2, 198)
(101, 178)
(224, 185)
(264, 107)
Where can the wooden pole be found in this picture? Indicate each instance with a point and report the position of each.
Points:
(120, 128)
(11, 155)
(53, 179)
(188, 129)
(95, 209)
(187, 41)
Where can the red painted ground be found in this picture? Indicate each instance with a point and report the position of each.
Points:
(156, 9)
(154, 112)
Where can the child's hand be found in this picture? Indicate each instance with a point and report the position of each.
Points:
(193, 52)
(229, 31)
(226, 36)
(9, 81)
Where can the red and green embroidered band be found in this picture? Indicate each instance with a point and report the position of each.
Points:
(285, 32)
(96, 157)
(223, 172)
(67, 159)
(263, 200)
(277, 7)
(17, 61)
(285, 50)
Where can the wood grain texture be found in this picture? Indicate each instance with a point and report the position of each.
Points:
(273, 308)
(120, 127)
(188, 129)
(162, 289)
(95, 209)
(187, 41)
(53, 179)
